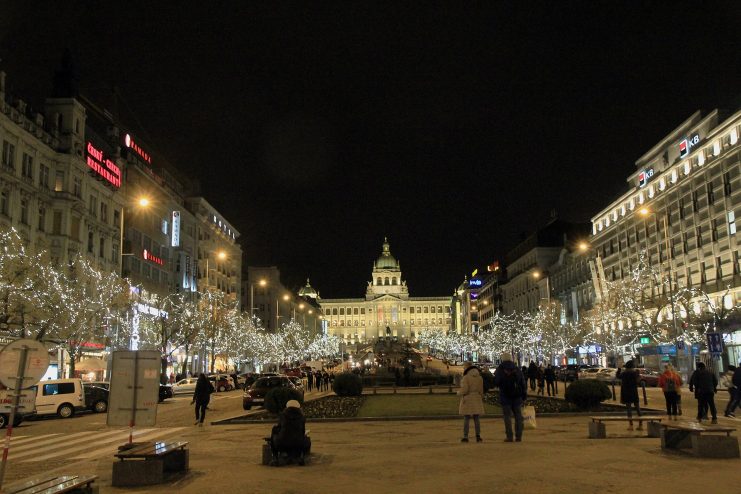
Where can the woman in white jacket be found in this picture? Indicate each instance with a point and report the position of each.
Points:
(472, 404)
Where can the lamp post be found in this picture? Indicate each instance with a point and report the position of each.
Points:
(537, 275)
(252, 295)
(286, 298)
(645, 212)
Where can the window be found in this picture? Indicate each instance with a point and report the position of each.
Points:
(425, 310)
(681, 209)
(44, 176)
(58, 389)
(59, 181)
(342, 311)
(718, 269)
(703, 278)
(362, 310)
(727, 184)
(117, 218)
(711, 194)
(103, 212)
(90, 242)
(101, 249)
(27, 167)
(731, 222)
(334, 311)
(8, 155)
(685, 243)
(736, 263)
(4, 203)
(385, 281)
(393, 280)
(42, 219)
(378, 281)
(24, 211)
(77, 189)
(57, 223)
(695, 205)
(355, 311)
(688, 277)
(114, 253)
(93, 206)
(698, 236)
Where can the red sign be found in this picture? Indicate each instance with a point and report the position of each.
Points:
(148, 256)
(102, 166)
(131, 144)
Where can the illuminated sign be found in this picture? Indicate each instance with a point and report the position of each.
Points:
(644, 177)
(102, 166)
(175, 239)
(645, 340)
(686, 145)
(474, 282)
(131, 144)
(148, 256)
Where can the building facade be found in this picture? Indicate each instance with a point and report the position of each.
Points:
(387, 309)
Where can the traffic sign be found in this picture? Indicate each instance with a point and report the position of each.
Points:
(715, 343)
(680, 344)
(37, 363)
(645, 340)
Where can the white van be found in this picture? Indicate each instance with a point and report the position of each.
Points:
(63, 397)
(26, 403)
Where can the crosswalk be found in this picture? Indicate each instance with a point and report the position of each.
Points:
(79, 445)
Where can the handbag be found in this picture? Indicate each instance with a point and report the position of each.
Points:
(528, 417)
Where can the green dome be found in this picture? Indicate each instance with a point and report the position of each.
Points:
(308, 291)
(386, 260)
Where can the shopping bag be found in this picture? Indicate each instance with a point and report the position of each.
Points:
(528, 417)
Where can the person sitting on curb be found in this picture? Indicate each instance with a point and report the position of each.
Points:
(289, 436)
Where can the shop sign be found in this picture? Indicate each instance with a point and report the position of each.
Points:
(175, 239)
(715, 343)
(475, 282)
(686, 145)
(148, 256)
(131, 144)
(102, 166)
(645, 176)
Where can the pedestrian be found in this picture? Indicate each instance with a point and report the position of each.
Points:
(726, 381)
(472, 400)
(407, 374)
(318, 381)
(550, 379)
(629, 392)
(704, 383)
(512, 394)
(541, 380)
(671, 383)
(201, 397)
(532, 375)
(289, 436)
(325, 380)
(310, 379)
(731, 408)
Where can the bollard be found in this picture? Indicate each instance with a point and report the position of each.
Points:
(614, 398)
(645, 399)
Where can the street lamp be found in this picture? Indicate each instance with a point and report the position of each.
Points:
(142, 202)
(220, 255)
(537, 275)
(286, 298)
(262, 283)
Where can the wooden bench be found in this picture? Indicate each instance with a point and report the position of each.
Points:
(146, 463)
(704, 441)
(78, 484)
(598, 430)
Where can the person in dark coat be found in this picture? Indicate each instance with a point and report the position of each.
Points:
(325, 380)
(318, 380)
(512, 394)
(309, 379)
(629, 392)
(289, 436)
(736, 398)
(201, 397)
(532, 375)
(550, 379)
(704, 384)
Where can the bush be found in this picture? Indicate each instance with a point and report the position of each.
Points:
(587, 393)
(276, 399)
(347, 384)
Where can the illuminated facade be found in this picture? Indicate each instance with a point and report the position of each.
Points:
(387, 309)
(682, 207)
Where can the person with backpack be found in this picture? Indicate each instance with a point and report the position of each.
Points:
(472, 403)
(629, 392)
(704, 384)
(541, 380)
(512, 393)
(532, 374)
(670, 383)
(550, 379)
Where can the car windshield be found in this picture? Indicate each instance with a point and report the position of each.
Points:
(261, 383)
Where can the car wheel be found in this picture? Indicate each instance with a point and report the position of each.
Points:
(65, 411)
(3, 420)
(101, 406)
(222, 389)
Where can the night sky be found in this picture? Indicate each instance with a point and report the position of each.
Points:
(319, 128)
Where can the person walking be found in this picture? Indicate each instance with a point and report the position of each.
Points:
(512, 393)
(629, 392)
(670, 383)
(532, 375)
(550, 379)
(541, 380)
(309, 379)
(318, 381)
(736, 399)
(726, 381)
(201, 397)
(704, 384)
(472, 396)
(325, 380)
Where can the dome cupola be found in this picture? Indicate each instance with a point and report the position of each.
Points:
(386, 260)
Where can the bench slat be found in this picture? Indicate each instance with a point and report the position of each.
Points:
(643, 418)
(51, 484)
(692, 427)
(66, 486)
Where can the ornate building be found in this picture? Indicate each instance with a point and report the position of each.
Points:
(387, 309)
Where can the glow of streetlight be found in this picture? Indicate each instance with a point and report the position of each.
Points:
(143, 202)
(583, 246)
(301, 306)
(263, 282)
(311, 312)
(286, 298)
(536, 274)
(221, 255)
(644, 211)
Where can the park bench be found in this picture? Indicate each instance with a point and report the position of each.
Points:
(704, 441)
(77, 484)
(146, 463)
(598, 429)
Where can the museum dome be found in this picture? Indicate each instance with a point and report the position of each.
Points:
(386, 260)
(308, 291)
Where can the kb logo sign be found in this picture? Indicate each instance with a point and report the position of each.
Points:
(687, 144)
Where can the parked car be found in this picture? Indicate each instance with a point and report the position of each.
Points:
(221, 382)
(165, 392)
(651, 378)
(27, 401)
(96, 397)
(569, 373)
(184, 386)
(255, 394)
(298, 383)
(63, 397)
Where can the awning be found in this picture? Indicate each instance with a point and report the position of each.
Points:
(91, 364)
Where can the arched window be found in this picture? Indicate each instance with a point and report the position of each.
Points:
(393, 280)
(378, 282)
(385, 281)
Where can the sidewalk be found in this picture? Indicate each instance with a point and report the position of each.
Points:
(423, 456)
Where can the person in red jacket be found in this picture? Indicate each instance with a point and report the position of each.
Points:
(671, 383)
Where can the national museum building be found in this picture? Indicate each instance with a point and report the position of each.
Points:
(387, 309)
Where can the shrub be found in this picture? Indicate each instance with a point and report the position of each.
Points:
(276, 398)
(587, 393)
(347, 384)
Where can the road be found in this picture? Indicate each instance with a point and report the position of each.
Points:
(48, 443)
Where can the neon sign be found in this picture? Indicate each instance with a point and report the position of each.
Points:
(102, 166)
(475, 282)
(148, 256)
(644, 176)
(131, 144)
(686, 145)
(175, 229)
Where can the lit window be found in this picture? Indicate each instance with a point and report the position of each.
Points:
(686, 167)
(651, 191)
(662, 184)
(614, 215)
(731, 223)
(607, 222)
(716, 148)
(734, 136)
(632, 204)
(701, 158)
(622, 210)
(640, 198)
(674, 176)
